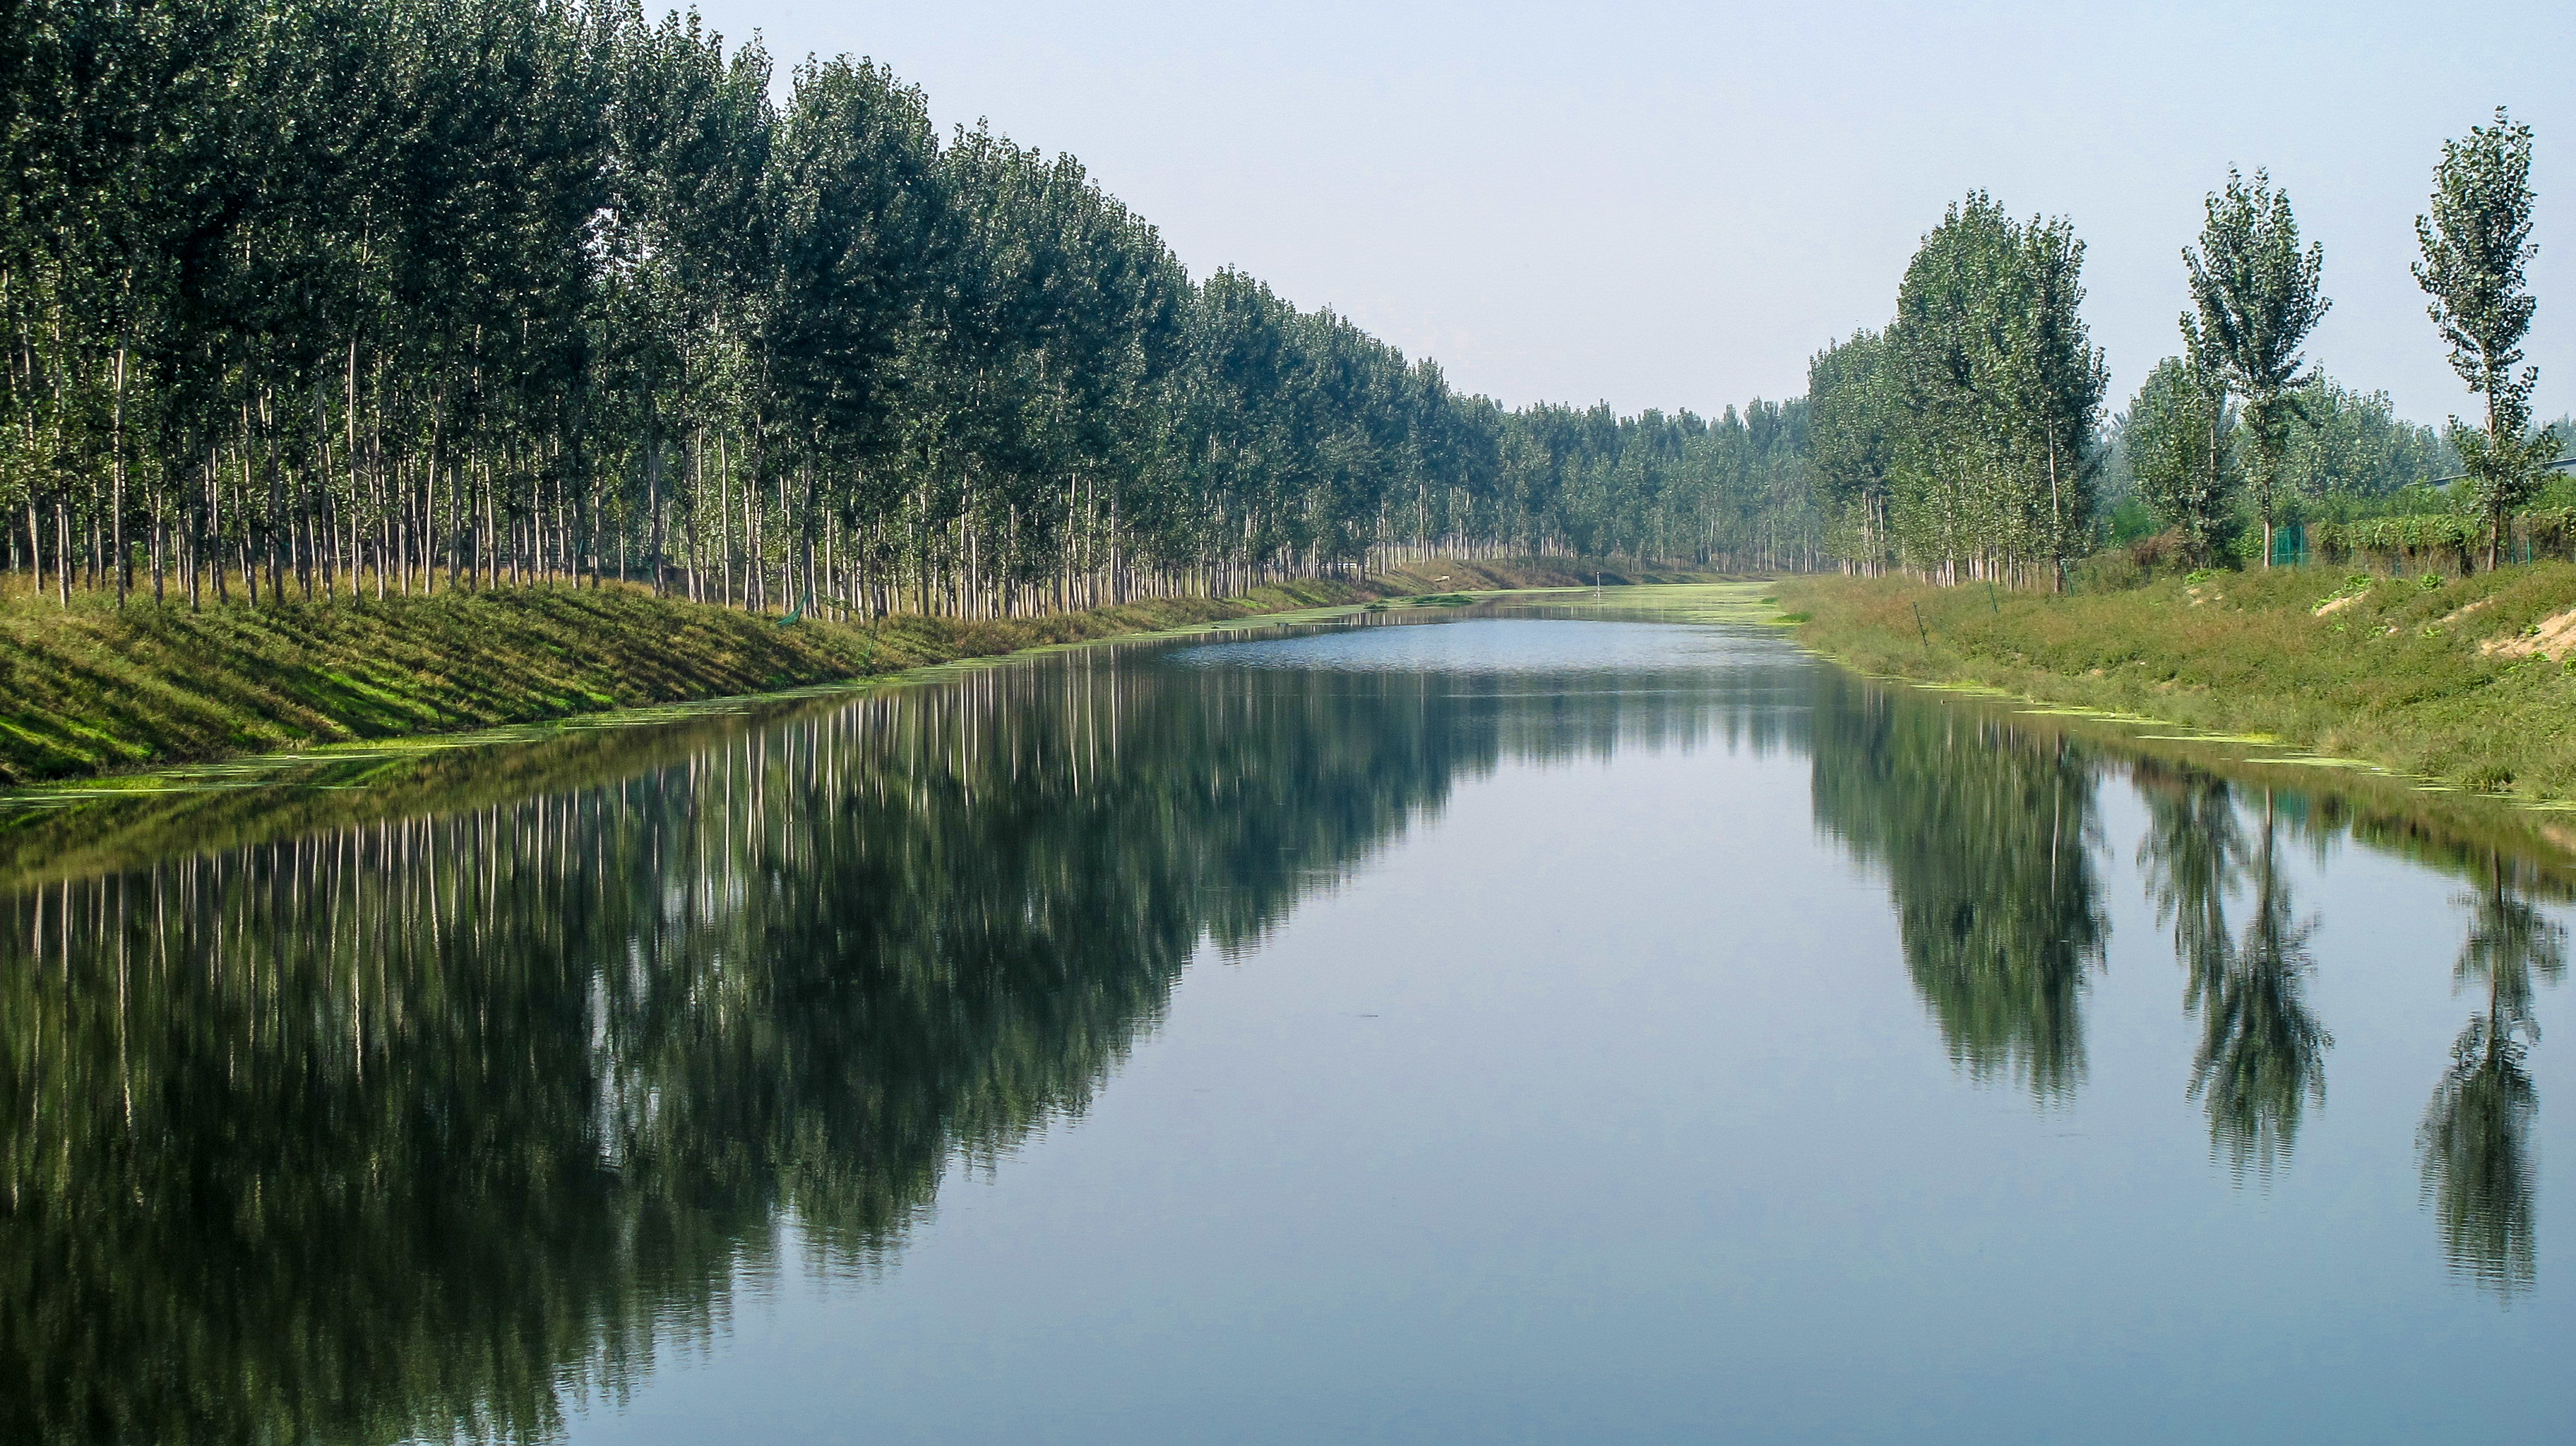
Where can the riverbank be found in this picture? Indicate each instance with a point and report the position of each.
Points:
(93, 690)
(2462, 681)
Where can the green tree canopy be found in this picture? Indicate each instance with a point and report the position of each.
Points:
(2256, 297)
(1994, 392)
(2477, 251)
(2179, 437)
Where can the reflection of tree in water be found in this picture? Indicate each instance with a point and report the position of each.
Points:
(2261, 1061)
(402, 1125)
(2475, 1142)
(2262, 1050)
(2191, 858)
(1987, 834)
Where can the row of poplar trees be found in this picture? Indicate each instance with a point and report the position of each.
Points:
(2211, 433)
(317, 298)
(1961, 441)
(1958, 442)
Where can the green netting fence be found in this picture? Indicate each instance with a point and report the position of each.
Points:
(2436, 542)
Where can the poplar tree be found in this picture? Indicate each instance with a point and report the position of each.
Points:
(2256, 295)
(2180, 437)
(2477, 248)
(1850, 445)
(1994, 391)
(2052, 398)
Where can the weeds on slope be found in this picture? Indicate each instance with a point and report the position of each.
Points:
(2464, 680)
(95, 689)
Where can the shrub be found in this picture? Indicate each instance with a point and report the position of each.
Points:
(2114, 571)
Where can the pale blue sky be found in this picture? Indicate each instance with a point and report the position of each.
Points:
(1667, 205)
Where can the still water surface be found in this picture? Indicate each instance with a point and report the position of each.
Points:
(1506, 1029)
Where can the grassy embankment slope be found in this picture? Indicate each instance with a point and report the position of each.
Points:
(94, 690)
(2466, 682)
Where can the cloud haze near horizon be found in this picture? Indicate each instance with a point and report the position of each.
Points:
(1675, 206)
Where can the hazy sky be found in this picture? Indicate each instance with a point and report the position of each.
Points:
(1675, 206)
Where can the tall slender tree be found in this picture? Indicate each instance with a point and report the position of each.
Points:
(2477, 252)
(2257, 297)
(1849, 445)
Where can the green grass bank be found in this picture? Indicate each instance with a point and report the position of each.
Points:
(2465, 681)
(93, 690)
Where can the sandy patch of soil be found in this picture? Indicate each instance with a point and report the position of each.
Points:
(2553, 636)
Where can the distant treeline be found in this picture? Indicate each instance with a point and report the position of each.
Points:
(305, 298)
